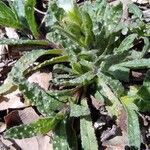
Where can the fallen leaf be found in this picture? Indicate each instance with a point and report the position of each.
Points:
(11, 33)
(120, 139)
(41, 78)
(2, 127)
(24, 116)
(11, 100)
(39, 143)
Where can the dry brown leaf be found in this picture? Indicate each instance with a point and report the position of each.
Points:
(2, 127)
(38, 143)
(41, 78)
(120, 140)
(140, 1)
(11, 100)
(4, 142)
(114, 143)
(24, 116)
(11, 33)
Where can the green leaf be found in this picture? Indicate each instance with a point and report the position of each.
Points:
(110, 97)
(146, 47)
(120, 73)
(42, 126)
(87, 28)
(67, 34)
(64, 136)
(144, 91)
(60, 59)
(8, 17)
(143, 95)
(18, 5)
(88, 137)
(24, 42)
(114, 59)
(134, 9)
(19, 69)
(45, 102)
(53, 14)
(82, 80)
(60, 137)
(136, 64)
(133, 128)
(78, 110)
(112, 17)
(114, 84)
(29, 13)
(127, 43)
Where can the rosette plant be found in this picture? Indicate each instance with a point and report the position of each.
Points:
(94, 56)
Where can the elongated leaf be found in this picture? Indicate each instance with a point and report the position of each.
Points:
(69, 35)
(143, 94)
(18, 5)
(60, 59)
(19, 69)
(134, 9)
(146, 47)
(136, 64)
(127, 43)
(112, 17)
(115, 85)
(8, 17)
(133, 129)
(42, 126)
(54, 13)
(88, 138)
(147, 79)
(144, 91)
(60, 137)
(84, 79)
(23, 42)
(29, 12)
(111, 60)
(64, 137)
(78, 110)
(120, 73)
(110, 98)
(46, 103)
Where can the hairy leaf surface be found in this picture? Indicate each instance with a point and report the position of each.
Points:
(133, 127)
(42, 126)
(88, 138)
(8, 17)
(29, 13)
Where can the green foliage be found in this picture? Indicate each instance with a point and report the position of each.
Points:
(45, 102)
(19, 69)
(64, 136)
(134, 9)
(20, 15)
(8, 17)
(24, 42)
(77, 110)
(133, 122)
(41, 126)
(88, 138)
(127, 43)
(95, 56)
(29, 13)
